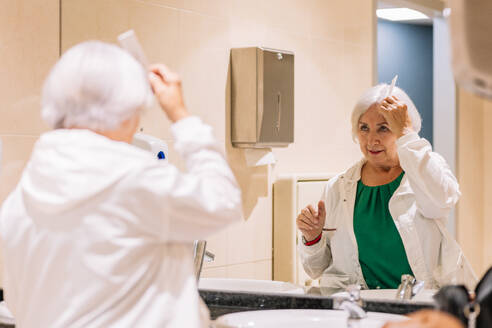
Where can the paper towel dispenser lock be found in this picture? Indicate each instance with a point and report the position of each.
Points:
(262, 97)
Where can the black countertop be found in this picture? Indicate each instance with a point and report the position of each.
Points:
(222, 302)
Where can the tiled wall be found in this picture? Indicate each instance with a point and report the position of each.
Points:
(333, 42)
(470, 166)
(475, 176)
(29, 46)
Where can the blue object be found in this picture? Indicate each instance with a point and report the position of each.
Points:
(160, 155)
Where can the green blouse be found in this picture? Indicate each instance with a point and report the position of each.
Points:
(382, 256)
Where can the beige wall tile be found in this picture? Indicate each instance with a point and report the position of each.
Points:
(321, 113)
(283, 39)
(93, 19)
(474, 174)
(204, 58)
(245, 33)
(358, 20)
(156, 26)
(263, 270)
(157, 30)
(213, 272)
(173, 4)
(29, 47)
(470, 160)
(328, 19)
(217, 244)
(292, 16)
(251, 240)
(358, 69)
(241, 271)
(213, 8)
(251, 270)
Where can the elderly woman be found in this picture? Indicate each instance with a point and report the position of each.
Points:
(98, 232)
(380, 217)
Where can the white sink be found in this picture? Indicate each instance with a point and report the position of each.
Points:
(301, 318)
(424, 295)
(249, 285)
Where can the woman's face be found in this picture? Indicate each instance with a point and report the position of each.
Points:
(377, 142)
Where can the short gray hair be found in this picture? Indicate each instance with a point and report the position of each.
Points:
(94, 85)
(376, 95)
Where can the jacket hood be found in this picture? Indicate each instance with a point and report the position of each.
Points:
(68, 167)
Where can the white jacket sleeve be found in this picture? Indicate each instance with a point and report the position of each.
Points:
(201, 201)
(435, 186)
(316, 258)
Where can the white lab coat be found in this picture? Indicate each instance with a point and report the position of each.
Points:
(98, 233)
(427, 194)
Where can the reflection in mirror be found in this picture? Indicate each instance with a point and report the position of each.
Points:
(356, 235)
(335, 63)
(381, 209)
(355, 251)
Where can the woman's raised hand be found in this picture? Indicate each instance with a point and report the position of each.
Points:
(167, 88)
(311, 222)
(396, 114)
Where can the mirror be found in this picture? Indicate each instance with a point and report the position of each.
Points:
(338, 56)
(336, 60)
(418, 50)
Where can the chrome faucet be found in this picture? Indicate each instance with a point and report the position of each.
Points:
(409, 287)
(404, 291)
(199, 254)
(353, 305)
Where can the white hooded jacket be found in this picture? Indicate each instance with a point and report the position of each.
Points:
(419, 207)
(98, 233)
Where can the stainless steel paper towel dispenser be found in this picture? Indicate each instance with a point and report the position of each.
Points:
(262, 97)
